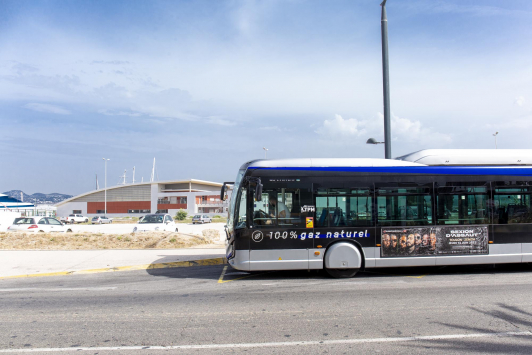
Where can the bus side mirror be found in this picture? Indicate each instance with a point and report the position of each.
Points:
(258, 191)
(223, 196)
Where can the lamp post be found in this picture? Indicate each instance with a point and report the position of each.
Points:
(373, 141)
(386, 83)
(265, 152)
(495, 135)
(105, 186)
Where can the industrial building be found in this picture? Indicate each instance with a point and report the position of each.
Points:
(193, 196)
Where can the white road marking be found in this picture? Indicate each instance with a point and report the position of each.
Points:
(273, 344)
(56, 289)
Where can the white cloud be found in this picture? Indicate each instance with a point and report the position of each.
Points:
(270, 128)
(220, 121)
(411, 132)
(519, 101)
(340, 127)
(47, 108)
(119, 113)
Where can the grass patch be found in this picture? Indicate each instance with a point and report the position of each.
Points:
(88, 241)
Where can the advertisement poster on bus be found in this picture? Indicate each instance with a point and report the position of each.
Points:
(440, 240)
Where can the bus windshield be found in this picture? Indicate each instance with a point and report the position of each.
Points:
(236, 189)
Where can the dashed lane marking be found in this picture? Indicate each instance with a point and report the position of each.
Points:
(175, 264)
(222, 281)
(273, 344)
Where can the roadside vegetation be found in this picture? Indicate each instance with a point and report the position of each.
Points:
(88, 241)
(215, 219)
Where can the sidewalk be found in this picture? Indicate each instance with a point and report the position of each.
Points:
(30, 262)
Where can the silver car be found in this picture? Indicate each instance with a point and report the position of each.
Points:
(101, 220)
(201, 218)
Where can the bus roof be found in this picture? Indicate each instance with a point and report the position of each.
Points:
(325, 162)
(483, 157)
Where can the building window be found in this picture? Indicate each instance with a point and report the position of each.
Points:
(100, 211)
(76, 211)
(182, 200)
(162, 211)
(138, 211)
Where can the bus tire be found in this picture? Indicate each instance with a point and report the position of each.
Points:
(343, 260)
(341, 273)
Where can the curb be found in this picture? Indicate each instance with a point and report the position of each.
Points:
(175, 264)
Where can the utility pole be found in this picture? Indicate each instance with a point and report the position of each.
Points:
(386, 84)
(105, 186)
(495, 135)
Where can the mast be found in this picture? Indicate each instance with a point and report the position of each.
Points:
(386, 84)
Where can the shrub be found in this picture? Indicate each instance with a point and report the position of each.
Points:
(181, 215)
(217, 216)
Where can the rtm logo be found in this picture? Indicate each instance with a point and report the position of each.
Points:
(257, 236)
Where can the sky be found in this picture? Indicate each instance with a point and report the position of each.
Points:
(204, 86)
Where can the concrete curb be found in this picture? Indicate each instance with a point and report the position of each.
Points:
(175, 264)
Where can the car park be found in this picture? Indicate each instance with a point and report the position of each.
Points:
(156, 222)
(101, 220)
(201, 218)
(38, 224)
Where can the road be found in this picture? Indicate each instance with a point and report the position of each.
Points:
(217, 310)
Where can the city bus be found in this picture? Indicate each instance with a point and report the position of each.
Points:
(346, 215)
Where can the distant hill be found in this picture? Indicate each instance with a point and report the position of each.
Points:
(38, 198)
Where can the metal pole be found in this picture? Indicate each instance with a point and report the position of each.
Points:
(105, 203)
(105, 187)
(386, 83)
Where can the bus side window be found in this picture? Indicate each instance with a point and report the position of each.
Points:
(406, 205)
(264, 211)
(281, 207)
(463, 203)
(511, 204)
(241, 208)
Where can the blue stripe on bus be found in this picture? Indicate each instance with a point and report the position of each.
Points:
(434, 170)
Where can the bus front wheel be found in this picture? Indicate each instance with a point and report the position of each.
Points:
(343, 260)
(342, 273)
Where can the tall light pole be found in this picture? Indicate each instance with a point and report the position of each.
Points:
(265, 152)
(495, 135)
(386, 83)
(105, 186)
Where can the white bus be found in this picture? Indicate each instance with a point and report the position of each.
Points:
(345, 215)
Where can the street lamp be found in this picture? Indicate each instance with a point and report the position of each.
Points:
(495, 135)
(386, 83)
(373, 141)
(105, 186)
(265, 152)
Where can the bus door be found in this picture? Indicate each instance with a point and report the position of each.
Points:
(281, 224)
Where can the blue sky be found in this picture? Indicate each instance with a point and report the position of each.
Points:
(203, 86)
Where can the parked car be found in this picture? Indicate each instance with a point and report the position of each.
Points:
(101, 220)
(201, 218)
(38, 224)
(75, 218)
(156, 222)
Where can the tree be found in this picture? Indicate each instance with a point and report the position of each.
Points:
(181, 215)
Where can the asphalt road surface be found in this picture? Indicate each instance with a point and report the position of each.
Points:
(217, 310)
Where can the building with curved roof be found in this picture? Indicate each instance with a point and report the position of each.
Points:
(193, 196)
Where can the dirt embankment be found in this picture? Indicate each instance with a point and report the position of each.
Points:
(87, 240)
